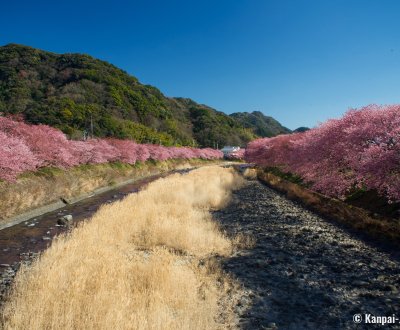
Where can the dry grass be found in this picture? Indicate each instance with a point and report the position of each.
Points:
(250, 173)
(134, 265)
(244, 242)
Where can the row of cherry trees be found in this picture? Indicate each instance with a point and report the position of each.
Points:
(360, 150)
(26, 147)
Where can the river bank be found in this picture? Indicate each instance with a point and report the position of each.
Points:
(49, 189)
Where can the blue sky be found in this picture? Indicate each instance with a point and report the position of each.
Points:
(298, 61)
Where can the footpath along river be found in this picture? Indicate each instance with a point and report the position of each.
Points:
(303, 271)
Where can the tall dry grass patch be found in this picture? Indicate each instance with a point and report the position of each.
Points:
(250, 173)
(134, 265)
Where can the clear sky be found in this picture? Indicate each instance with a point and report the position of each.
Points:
(299, 61)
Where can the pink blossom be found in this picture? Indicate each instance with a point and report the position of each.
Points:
(127, 150)
(361, 149)
(15, 157)
(25, 147)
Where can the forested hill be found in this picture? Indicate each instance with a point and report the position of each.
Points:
(260, 124)
(76, 92)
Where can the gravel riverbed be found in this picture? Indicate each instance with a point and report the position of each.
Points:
(304, 272)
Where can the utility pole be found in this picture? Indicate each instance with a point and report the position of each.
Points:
(91, 124)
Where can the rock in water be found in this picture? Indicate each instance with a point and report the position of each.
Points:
(65, 220)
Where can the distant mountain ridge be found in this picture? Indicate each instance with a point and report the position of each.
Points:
(261, 125)
(301, 129)
(80, 94)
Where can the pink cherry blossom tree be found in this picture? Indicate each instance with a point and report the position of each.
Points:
(25, 147)
(359, 150)
(15, 157)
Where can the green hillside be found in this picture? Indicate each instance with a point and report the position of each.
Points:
(260, 124)
(76, 92)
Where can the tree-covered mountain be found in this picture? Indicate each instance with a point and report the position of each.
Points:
(78, 93)
(260, 124)
(301, 129)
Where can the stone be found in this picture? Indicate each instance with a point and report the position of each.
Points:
(65, 220)
(390, 287)
(360, 283)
